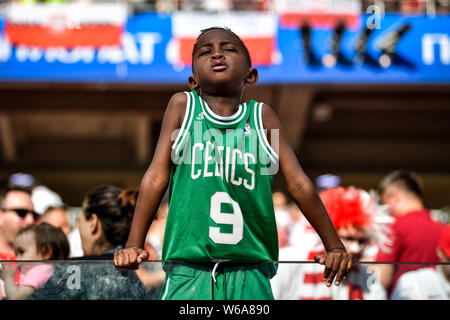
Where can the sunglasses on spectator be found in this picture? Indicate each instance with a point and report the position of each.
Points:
(361, 241)
(22, 213)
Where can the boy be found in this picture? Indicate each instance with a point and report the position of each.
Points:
(221, 233)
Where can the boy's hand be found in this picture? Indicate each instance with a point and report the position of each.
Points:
(336, 261)
(130, 258)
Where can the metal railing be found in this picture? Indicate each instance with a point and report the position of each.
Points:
(80, 279)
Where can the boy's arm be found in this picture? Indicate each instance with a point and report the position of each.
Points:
(152, 187)
(301, 189)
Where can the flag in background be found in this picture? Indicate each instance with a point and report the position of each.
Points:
(257, 30)
(318, 13)
(66, 25)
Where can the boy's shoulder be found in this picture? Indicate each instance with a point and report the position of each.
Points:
(177, 106)
(178, 98)
(269, 117)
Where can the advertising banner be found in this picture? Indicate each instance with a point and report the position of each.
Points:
(157, 48)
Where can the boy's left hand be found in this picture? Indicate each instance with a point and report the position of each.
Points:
(336, 261)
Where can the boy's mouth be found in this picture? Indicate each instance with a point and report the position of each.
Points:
(219, 66)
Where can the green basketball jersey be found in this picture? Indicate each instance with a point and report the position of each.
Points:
(220, 204)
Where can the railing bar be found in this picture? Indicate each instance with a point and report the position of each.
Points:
(273, 261)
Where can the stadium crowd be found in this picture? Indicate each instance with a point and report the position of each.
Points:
(402, 6)
(391, 225)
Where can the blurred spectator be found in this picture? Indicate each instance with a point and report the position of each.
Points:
(43, 198)
(356, 216)
(57, 217)
(415, 235)
(16, 211)
(442, 6)
(326, 181)
(23, 180)
(390, 5)
(106, 220)
(76, 248)
(249, 5)
(215, 5)
(49, 205)
(282, 217)
(166, 5)
(442, 215)
(431, 283)
(105, 223)
(412, 6)
(300, 230)
(155, 235)
(301, 233)
(34, 242)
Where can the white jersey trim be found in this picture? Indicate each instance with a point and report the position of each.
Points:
(239, 114)
(234, 116)
(262, 135)
(167, 289)
(188, 115)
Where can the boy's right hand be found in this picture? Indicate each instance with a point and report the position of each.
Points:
(130, 258)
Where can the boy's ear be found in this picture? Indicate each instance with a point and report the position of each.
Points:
(193, 84)
(252, 77)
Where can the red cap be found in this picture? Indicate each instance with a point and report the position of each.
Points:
(444, 241)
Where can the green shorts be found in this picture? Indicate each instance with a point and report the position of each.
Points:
(217, 281)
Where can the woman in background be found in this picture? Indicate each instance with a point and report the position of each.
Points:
(105, 223)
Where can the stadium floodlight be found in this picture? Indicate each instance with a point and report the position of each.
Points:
(388, 45)
(330, 59)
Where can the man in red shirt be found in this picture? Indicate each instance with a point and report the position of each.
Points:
(415, 235)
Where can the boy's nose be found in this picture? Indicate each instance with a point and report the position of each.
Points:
(217, 55)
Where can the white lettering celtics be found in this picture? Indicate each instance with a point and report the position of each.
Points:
(220, 161)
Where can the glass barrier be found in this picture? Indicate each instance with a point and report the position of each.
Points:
(303, 280)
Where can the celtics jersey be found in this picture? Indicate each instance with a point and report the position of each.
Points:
(220, 204)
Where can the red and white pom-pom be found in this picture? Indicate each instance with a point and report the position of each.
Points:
(354, 207)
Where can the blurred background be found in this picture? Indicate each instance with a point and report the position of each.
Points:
(361, 87)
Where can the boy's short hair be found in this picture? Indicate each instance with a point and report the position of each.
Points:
(204, 31)
(406, 180)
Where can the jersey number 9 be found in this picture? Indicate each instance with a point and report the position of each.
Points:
(234, 219)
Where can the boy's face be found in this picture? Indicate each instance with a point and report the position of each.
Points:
(220, 63)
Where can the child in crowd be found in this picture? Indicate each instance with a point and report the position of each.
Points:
(35, 242)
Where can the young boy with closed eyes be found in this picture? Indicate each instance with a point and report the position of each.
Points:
(221, 239)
